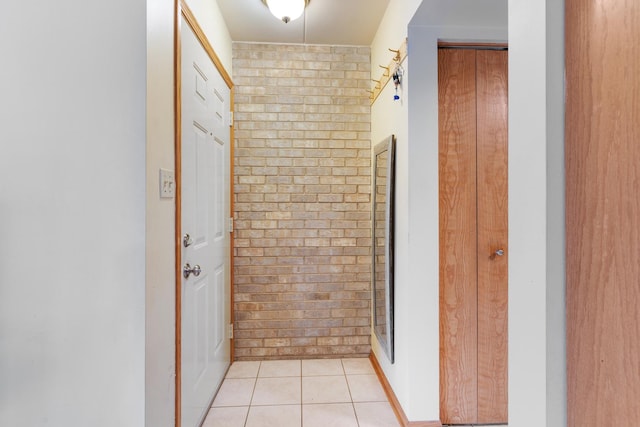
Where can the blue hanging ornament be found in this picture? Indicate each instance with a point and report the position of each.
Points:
(397, 81)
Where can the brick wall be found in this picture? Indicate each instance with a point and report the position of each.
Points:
(302, 201)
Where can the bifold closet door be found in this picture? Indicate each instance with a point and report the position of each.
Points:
(473, 235)
(458, 236)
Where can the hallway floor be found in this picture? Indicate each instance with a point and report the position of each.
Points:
(301, 393)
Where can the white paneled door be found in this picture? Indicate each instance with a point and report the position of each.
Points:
(205, 134)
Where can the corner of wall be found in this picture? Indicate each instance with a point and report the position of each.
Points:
(537, 357)
(160, 219)
(556, 259)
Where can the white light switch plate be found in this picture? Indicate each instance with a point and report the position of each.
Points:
(167, 184)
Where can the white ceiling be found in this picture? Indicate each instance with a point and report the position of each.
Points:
(333, 22)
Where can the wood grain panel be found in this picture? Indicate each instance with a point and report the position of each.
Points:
(492, 146)
(458, 241)
(602, 150)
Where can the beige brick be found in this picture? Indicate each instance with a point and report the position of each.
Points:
(289, 99)
(277, 161)
(330, 198)
(277, 342)
(278, 215)
(279, 179)
(304, 342)
(302, 201)
(338, 180)
(264, 224)
(306, 179)
(304, 198)
(305, 215)
(305, 232)
(357, 197)
(343, 242)
(331, 269)
(330, 341)
(317, 189)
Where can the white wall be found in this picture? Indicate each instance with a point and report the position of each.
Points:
(536, 307)
(160, 260)
(556, 387)
(391, 32)
(72, 213)
(537, 375)
(210, 19)
(390, 117)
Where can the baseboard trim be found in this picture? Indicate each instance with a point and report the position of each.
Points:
(393, 400)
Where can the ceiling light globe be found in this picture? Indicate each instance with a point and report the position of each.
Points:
(286, 10)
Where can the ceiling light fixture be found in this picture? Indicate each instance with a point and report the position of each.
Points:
(286, 10)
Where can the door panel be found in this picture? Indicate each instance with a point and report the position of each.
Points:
(602, 158)
(219, 321)
(205, 298)
(492, 223)
(204, 164)
(473, 226)
(219, 181)
(200, 300)
(458, 237)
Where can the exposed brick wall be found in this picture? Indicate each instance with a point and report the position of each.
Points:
(302, 201)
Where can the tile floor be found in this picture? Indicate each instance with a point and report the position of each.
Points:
(301, 393)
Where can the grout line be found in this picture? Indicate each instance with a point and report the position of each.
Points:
(346, 378)
(355, 413)
(255, 383)
(246, 416)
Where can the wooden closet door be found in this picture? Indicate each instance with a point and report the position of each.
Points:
(491, 77)
(458, 236)
(473, 228)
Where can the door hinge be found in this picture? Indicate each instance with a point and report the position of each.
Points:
(230, 118)
(230, 224)
(231, 331)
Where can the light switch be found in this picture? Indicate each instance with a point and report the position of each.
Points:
(167, 184)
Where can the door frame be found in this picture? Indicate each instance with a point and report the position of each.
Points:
(182, 10)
